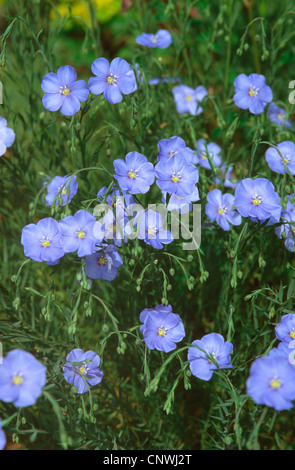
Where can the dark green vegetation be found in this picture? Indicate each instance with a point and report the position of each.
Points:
(238, 284)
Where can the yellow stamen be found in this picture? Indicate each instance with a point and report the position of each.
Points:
(189, 97)
(132, 174)
(275, 384)
(251, 92)
(161, 331)
(256, 201)
(65, 91)
(81, 234)
(17, 380)
(292, 334)
(82, 370)
(45, 243)
(214, 357)
(102, 260)
(175, 178)
(64, 192)
(111, 79)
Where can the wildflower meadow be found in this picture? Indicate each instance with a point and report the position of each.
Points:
(147, 218)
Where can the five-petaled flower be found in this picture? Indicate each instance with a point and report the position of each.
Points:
(174, 146)
(208, 354)
(161, 39)
(103, 264)
(152, 230)
(176, 176)
(61, 189)
(22, 378)
(258, 200)
(219, 209)
(272, 381)
(82, 369)
(252, 93)
(188, 100)
(161, 328)
(207, 154)
(77, 233)
(41, 241)
(135, 174)
(112, 80)
(278, 116)
(63, 91)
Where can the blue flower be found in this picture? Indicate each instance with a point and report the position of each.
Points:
(287, 229)
(203, 353)
(61, 187)
(2, 437)
(258, 200)
(278, 116)
(119, 200)
(82, 369)
(112, 80)
(7, 136)
(285, 349)
(188, 100)
(272, 382)
(63, 91)
(229, 180)
(144, 314)
(290, 208)
(157, 80)
(174, 146)
(161, 39)
(176, 176)
(41, 242)
(252, 93)
(135, 174)
(152, 230)
(284, 157)
(205, 152)
(285, 330)
(111, 227)
(22, 378)
(103, 264)
(161, 328)
(77, 233)
(182, 204)
(219, 209)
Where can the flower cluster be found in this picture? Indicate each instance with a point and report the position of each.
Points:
(176, 174)
(64, 92)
